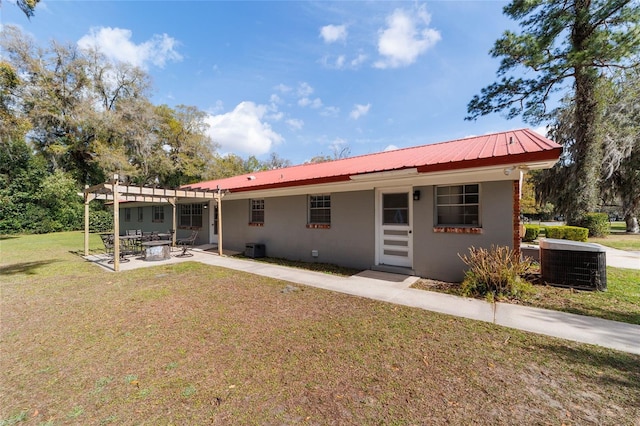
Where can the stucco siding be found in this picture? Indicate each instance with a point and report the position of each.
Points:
(348, 242)
(436, 254)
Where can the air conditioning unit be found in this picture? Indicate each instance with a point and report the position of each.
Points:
(254, 250)
(573, 264)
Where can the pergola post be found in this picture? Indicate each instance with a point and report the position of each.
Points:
(174, 220)
(87, 198)
(116, 224)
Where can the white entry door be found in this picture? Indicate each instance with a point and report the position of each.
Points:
(394, 209)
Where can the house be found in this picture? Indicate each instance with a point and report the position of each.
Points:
(410, 210)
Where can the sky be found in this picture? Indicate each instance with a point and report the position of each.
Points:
(299, 78)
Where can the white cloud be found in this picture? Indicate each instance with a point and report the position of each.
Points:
(330, 111)
(244, 130)
(359, 60)
(116, 44)
(406, 37)
(295, 124)
(218, 107)
(359, 111)
(275, 116)
(390, 148)
(304, 90)
(333, 33)
(275, 99)
(342, 62)
(311, 103)
(283, 88)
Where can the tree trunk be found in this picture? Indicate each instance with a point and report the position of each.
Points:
(589, 146)
(632, 224)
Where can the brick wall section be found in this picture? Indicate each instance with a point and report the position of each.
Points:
(516, 217)
(456, 230)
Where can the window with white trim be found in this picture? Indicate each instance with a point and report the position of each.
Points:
(140, 214)
(320, 209)
(458, 205)
(127, 214)
(257, 211)
(191, 215)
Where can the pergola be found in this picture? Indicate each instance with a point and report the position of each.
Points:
(117, 192)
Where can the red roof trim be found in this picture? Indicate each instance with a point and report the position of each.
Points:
(493, 161)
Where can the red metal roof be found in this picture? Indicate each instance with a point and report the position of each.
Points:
(516, 146)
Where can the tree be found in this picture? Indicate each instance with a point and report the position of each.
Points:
(182, 134)
(28, 7)
(275, 162)
(619, 128)
(13, 126)
(621, 133)
(529, 203)
(563, 42)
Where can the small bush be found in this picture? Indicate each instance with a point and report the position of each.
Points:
(100, 221)
(597, 224)
(554, 232)
(575, 233)
(531, 232)
(495, 273)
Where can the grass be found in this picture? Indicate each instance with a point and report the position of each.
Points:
(618, 238)
(326, 268)
(194, 344)
(621, 301)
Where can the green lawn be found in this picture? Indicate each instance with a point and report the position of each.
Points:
(195, 344)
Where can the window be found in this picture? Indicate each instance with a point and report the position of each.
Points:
(158, 214)
(127, 214)
(320, 209)
(395, 209)
(140, 215)
(458, 205)
(191, 215)
(257, 211)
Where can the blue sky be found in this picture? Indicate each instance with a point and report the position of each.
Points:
(299, 78)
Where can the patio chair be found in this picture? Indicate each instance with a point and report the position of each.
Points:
(107, 240)
(109, 245)
(186, 244)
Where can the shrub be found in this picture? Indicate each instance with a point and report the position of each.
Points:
(597, 224)
(100, 221)
(554, 232)
(531, 232)
(494, 273)
(575, 233)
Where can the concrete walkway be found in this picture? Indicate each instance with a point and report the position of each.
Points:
(396, 289)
